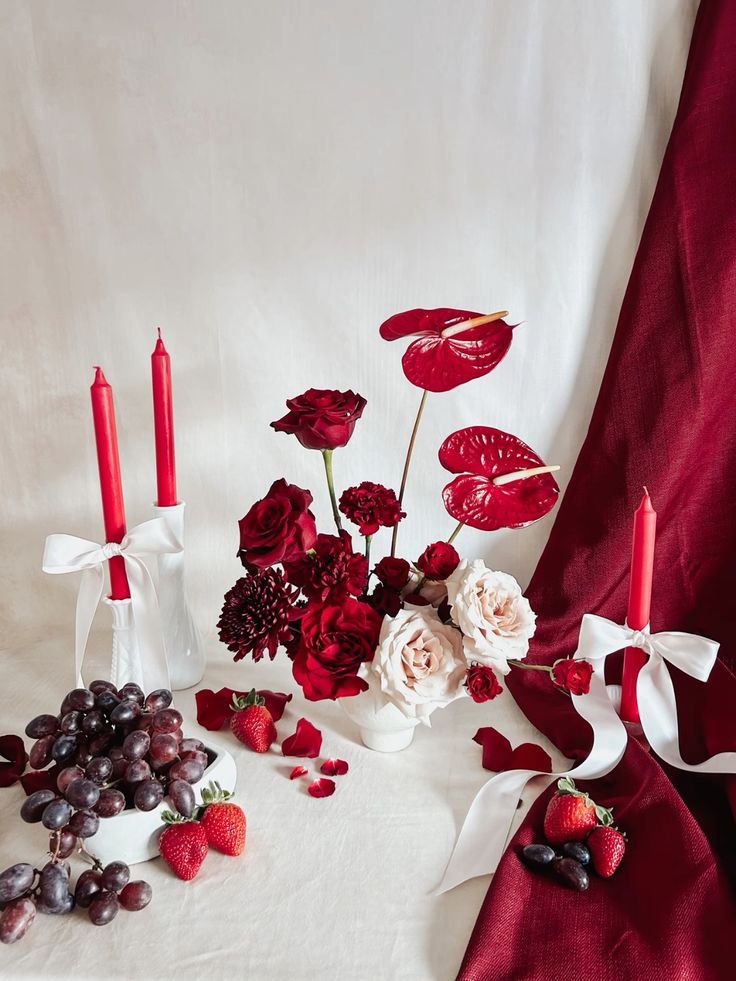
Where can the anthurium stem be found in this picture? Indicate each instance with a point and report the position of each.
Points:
(368, 540)
(327, 457)
(407, 462)
(455, 533)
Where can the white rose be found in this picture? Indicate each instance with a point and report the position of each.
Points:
(496, 620)
(419, 662)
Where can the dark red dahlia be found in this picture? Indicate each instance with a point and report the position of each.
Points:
(256, 614)
(331, 571)
(371, 506)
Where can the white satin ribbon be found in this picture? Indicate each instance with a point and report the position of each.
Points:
(67, 553)
(484, 833)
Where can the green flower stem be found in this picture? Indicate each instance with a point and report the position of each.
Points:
(407, 462)
(455, 533)
(327, 457)
(368, 539)
(529, 667)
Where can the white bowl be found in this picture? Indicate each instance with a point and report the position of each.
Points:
(132, 836)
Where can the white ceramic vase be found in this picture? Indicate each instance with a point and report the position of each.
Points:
(184, 651)
(126, 664)
(132, 836)
(381, 725)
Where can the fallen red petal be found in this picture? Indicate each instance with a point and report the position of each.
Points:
(306, 741)
(334, 768)
(529, 756)
(322, 787)
(275, 702)
(214, 708)
(496, 748)
(40, 779)
(13, 750)
(298, 771)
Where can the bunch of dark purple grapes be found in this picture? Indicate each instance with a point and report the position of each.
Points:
(109, 750)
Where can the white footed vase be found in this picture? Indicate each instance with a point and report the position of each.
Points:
(381, 725)
(126, 664)
(184, 651)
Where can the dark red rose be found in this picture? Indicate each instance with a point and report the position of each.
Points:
(482, 683)
(573, 676)
(278, 528)
(392, 572)
(335, 641)
(322, 419)
(438, 561)
(256, 614)
(371, 506)
(385, 600)
(331, 572)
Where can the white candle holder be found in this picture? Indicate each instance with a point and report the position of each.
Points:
(127, 663)
(184, 651)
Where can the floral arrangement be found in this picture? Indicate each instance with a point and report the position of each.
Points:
(417, 633)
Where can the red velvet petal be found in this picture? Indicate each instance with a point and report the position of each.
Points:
(496, 748)
(306, 741)
(275, 702)
(334, 768)
(40, 779)
(322, 787)
(529, 756)
(480, 453)
(298, 771)
(214, 708)
(13, 750)
(440, 363)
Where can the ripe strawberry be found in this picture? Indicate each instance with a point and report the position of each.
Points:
(571, 814)
(607, 847)
(182, 845)
(252, 723)
(223, 822)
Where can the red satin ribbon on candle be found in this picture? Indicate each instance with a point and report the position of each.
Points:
(640, 598)
(163, 425)
(113, 509)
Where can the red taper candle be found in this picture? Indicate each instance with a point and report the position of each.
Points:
(640, 597)
(113, 510)
(163, 425)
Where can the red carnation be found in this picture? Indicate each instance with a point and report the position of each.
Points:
(256, 614)
(573, 676)
(371, 506)
(278, 528)
(334, 642)
(331, 571)
(438, 561)
(482, 683)
(392, 572)
(322, 419)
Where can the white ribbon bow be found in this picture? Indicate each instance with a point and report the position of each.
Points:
(483, 836)
(67, 553)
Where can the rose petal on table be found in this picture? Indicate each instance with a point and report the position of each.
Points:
(529, 756)
(322, 787)
(275, 702)
(214, 708)
(12, 749)
(298, 771)
(496, 749)
(334, 768)
(40, 779)
(306, 741)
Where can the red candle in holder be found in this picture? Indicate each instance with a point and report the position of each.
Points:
(113, 510)
(163, 425)
(640, 596)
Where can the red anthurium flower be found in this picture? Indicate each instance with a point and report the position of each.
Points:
(479, 497)
(334, 768)
(306, 741)
(13, 750)
(322, 787)
(498, 754)
(446, 354)
(298, 771)
(215, 708)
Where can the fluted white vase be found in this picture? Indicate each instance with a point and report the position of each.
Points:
(381, 725)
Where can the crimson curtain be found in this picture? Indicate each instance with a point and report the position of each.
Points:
(665, 417)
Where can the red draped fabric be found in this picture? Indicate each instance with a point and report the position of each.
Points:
(665, 417)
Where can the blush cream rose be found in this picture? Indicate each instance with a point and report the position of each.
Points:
(495, 619)
(419, 663)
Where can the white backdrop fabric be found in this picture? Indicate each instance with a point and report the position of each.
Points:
(269, 182)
